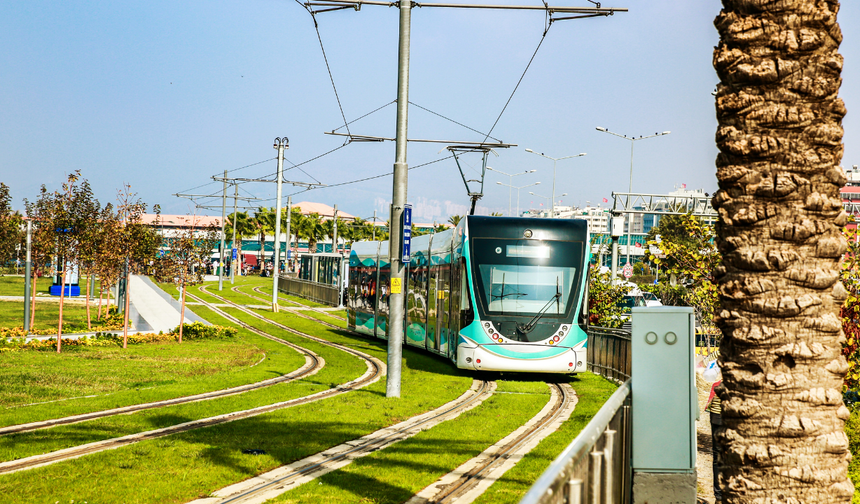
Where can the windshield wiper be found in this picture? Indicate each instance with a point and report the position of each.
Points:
(527, 328)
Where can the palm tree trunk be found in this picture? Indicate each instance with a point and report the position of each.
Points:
(779, 231)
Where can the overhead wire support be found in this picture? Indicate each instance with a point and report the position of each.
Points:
(330, 5)
(368, 138)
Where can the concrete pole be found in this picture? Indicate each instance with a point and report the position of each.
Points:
(28, 268)
(223, 219)
(398, 202)
(233, 262)
(334, 232)
(280, 144)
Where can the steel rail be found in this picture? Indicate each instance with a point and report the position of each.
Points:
(369, 445)
(453, 491)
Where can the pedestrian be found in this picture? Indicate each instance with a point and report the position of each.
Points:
(715, 411)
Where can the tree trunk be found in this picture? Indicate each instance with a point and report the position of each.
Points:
(125, 314)
(62, 296)
(182, 313)
(89, 321)
(779, 231)
(101, 293)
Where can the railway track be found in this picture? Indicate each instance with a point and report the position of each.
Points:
(375, 369)
(472, 478)
(298, 305)
(283, 479)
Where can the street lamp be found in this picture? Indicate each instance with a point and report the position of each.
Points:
(544, 197)
(518, 192)
(554, 161)
(280, 145)
(630, 187)
(509, 184)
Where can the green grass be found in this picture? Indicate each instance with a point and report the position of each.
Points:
(593, 391)
(139, 374)
(47, 316)
(14, 285)
(326, 318)
(341, 368)
(395, 474)
(184, 466)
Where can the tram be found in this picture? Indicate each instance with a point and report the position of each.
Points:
(491, 294)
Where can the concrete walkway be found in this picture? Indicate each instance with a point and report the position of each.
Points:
(153, 310)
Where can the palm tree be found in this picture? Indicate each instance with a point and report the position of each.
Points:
(245, 228)
(455, 219)
(780, 141)
(264, 222)
(296, 219)
(312, 230)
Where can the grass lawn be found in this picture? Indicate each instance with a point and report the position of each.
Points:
(141, 373)
(14, 285)
(341, 368)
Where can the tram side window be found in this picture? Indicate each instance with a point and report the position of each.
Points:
(466, 311)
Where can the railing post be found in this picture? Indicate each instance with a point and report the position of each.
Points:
(608, 457)
(596, 477)
(574, 491)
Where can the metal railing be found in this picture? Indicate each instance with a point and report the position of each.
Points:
(595, 467)
(609, 352)
(321, 293)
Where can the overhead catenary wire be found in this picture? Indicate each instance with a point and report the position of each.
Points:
(328, 67)
(540, 43)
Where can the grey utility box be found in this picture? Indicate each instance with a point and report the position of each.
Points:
(664, 391)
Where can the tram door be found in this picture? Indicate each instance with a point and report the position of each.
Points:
(443, 313)
(432, 311)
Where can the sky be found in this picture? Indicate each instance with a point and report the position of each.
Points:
(166, 95)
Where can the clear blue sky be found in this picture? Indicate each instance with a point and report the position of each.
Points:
(164, 95)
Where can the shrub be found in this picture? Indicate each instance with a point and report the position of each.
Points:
(198, 330)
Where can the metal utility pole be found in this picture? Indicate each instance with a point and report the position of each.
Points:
(28, 266)
(280, 144)
(223, 218)
(334, 232)
(373, 231)
(289, 220)
(233, 241)
(398, 201)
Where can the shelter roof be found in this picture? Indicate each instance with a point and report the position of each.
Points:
(309, 207)
(181, 221)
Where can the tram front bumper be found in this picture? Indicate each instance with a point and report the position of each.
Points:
(480, 358)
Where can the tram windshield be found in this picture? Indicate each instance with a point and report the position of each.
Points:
(526, 277)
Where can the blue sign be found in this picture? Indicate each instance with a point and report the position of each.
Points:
(235, 254)
(406, 249)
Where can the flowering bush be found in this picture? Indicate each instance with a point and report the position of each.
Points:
(14, 341)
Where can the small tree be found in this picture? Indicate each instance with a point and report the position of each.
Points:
(11, 233)
(689, 256)
(604, 298)
(183, 261)
(64, 217)
(136, 242)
